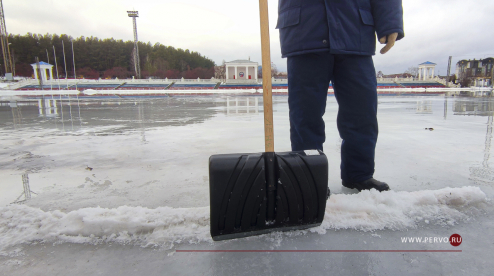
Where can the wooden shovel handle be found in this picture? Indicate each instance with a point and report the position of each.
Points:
(266, 77)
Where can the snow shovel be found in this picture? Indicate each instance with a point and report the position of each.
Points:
(257, 193)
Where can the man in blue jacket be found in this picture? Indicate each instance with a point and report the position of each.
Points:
(334, 40)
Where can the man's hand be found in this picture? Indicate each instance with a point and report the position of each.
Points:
(389, 40)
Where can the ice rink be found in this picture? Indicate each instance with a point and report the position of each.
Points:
(120, 187)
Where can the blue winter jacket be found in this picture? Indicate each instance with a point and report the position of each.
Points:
(338, 26)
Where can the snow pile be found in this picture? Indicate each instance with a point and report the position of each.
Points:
(165, 226)
(372, 210)
(162, 226)
(90, 92)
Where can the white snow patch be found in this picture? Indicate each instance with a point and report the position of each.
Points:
(372, 210)
(162, 226)
(90, 92)
(165, 226)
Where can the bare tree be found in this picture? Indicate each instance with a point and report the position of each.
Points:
(282, 75)
(414, 71)
(274, 70)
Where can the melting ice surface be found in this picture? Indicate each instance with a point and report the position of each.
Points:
(135, 171)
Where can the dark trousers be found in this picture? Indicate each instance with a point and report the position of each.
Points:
(355, 85)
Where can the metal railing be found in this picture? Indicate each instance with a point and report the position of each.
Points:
(71, 82)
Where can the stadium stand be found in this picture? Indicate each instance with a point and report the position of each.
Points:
(421, 84)
(239, 86)
(192, 86)
(170, 85)
(80, 87)
(153, 86)
(96, 86)
(45, 87)
(388, 85)
(251, 86)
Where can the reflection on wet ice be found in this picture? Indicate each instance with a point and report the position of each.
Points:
(242, 105)
(48, 107)
(474, 106)
(27, 190)
(424, 107)
(16, 113)
(484, 173)
(71, 114)
(488, 138)
(445, 108)
(140, 121)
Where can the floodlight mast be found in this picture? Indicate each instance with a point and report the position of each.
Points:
(7, 59)
(137, 64)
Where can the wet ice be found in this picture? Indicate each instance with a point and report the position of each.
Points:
(149, 180)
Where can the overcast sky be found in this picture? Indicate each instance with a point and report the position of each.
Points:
(229, 30)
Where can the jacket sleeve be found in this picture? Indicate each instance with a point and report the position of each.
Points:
(388, 17)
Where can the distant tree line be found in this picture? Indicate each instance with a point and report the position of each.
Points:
(106, 58)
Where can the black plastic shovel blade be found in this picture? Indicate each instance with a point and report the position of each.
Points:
(243, 204)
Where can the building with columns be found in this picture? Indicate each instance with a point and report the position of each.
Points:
(426, 70)
(241, 70)
(43, 66)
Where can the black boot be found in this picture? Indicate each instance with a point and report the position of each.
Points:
(368, 184)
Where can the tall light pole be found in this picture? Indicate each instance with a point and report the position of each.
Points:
(449, 71)
(65, 63)
(137, 65)
(51, 77)
(56, 67)
(73, 61)
(7, 59)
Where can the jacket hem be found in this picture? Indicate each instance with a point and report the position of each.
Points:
(296, 53)
(332, 51)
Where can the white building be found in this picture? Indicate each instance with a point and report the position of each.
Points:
(241, 70)
(426, 70)
(43, 66)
